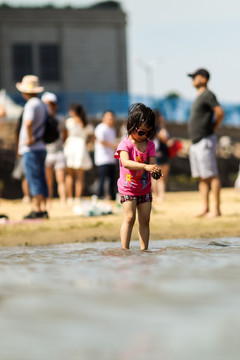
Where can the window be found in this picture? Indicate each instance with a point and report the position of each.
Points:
(22, 61)
(49, 61)
(47, 67)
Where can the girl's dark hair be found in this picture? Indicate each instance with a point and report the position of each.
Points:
(139, 114)
(80, 111)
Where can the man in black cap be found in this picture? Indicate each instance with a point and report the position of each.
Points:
(206, 115)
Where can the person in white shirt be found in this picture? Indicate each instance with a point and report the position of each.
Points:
(105, 147)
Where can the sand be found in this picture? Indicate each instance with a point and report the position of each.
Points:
(171, 219)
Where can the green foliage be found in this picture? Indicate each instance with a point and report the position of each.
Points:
(172, 95)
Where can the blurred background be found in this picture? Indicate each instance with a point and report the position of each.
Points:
(110, 54)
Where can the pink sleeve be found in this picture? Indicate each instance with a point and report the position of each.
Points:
(152, 149)
(123, 146)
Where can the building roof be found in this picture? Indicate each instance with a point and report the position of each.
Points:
(104, 5)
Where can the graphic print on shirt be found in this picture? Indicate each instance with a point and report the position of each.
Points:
(140, 175)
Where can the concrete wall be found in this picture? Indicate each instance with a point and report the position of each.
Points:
(92, 42)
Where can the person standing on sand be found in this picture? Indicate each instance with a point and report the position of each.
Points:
(79, 134)
(162, 158)
(137, 158)
(105, 147)
(206, 115)
(19, 163)
(55, 162)
(31, 146)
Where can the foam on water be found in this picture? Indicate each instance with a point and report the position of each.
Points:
(179, 300)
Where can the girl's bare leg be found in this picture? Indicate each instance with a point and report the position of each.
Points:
(69, 182)
(144, 211)
(154, 188)
(129, 215)
(79, 183)
(60, 177)
(49, 178)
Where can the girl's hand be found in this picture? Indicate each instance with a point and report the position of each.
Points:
(151, 168)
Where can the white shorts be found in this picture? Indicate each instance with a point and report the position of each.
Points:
(202, 156)
(57, 160)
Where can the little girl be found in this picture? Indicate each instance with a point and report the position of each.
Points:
(137, 157)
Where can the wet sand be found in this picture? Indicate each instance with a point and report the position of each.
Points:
(171, 219)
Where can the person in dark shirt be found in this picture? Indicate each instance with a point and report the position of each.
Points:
(206, 115)
(161, 141)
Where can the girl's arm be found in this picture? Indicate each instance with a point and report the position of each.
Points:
(134, 165)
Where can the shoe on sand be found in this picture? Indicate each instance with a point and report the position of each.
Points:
(37, 215)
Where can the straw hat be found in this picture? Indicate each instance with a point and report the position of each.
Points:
(29, 85)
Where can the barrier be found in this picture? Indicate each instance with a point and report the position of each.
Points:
(173, 109)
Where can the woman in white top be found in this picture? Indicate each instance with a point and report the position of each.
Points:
(79, 133)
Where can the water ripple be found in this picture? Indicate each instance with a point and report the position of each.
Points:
(179, 300)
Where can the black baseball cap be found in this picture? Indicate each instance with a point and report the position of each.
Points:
(202, 72)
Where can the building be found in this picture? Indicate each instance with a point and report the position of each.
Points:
(71, 50)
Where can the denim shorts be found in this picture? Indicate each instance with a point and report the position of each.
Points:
(34, 168)
(140, 199)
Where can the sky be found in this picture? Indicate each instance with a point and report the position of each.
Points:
(166, 39)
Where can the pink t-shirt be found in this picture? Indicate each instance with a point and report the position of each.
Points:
(134, 182)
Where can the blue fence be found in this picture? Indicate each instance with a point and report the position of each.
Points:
(173, 109)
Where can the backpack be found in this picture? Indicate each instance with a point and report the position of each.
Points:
(51, 132)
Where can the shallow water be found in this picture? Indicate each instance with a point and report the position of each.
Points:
(94, 301)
